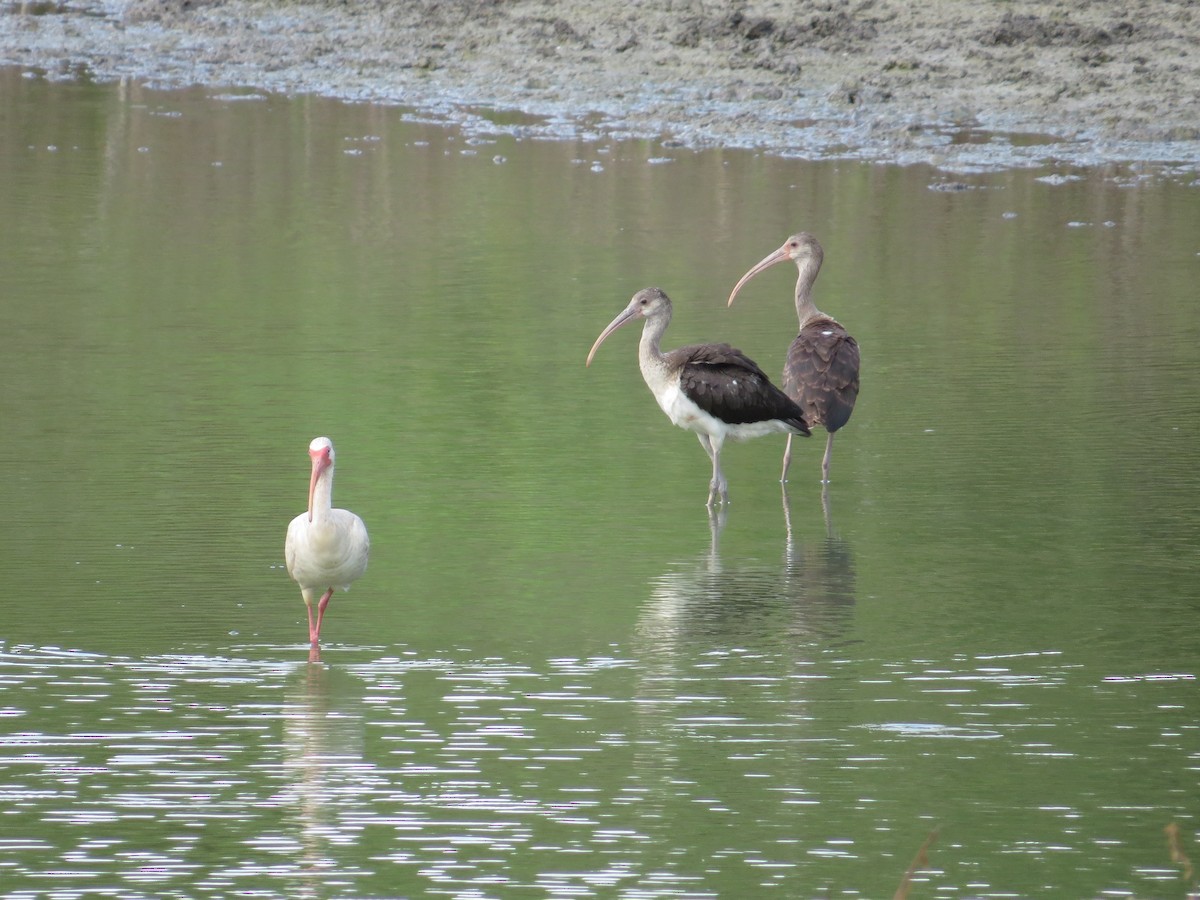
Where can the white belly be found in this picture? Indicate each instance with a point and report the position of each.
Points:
(332, 554)
(686, 414)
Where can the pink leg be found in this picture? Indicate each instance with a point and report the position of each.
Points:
(312, 632)
(315, 635)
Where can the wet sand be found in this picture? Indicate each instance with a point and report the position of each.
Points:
(961, 84)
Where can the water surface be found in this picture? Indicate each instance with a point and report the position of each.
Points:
(558, 677)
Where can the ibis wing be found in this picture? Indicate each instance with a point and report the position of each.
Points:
(821, 373)
(726, 383)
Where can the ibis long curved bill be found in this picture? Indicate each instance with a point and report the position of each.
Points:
(629, 314)
(322, 458)
(783, 254)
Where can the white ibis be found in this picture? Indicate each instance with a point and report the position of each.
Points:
(326, 548)
(821, 371)
(711, 389)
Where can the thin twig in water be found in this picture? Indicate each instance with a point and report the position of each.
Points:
(920, 861)
(1176, 850)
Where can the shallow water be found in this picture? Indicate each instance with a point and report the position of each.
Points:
(558, 678)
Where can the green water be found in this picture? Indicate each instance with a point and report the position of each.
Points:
(558, 678)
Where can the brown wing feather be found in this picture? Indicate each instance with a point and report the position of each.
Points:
(821, 373)
(726, 383)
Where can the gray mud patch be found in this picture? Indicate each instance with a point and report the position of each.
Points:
(961, 84)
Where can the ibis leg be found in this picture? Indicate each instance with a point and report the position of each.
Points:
(706, 443)
(718, 487)
(825, 460)
(312, 630)
(314, 635)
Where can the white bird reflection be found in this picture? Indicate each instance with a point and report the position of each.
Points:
(328, 781)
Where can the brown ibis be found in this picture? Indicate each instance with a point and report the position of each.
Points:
(821, 371)
(326, 548)
(711, 389)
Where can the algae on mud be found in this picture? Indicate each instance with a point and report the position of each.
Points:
(1080, 81)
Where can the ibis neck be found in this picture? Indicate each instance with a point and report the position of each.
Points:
(322, 499)
(650, 355)
(805, 307)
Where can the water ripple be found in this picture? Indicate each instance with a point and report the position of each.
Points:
(194, 775)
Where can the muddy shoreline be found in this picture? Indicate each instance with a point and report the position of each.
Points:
(964, 85)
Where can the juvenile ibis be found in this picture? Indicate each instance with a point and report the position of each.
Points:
(711, 389)
(821, 371)
(326, 548)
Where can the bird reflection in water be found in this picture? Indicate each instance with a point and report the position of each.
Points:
(821, 571)
(324, 771)
(809, 595)
(727, 647)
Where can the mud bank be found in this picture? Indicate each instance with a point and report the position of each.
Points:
(961, 84)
